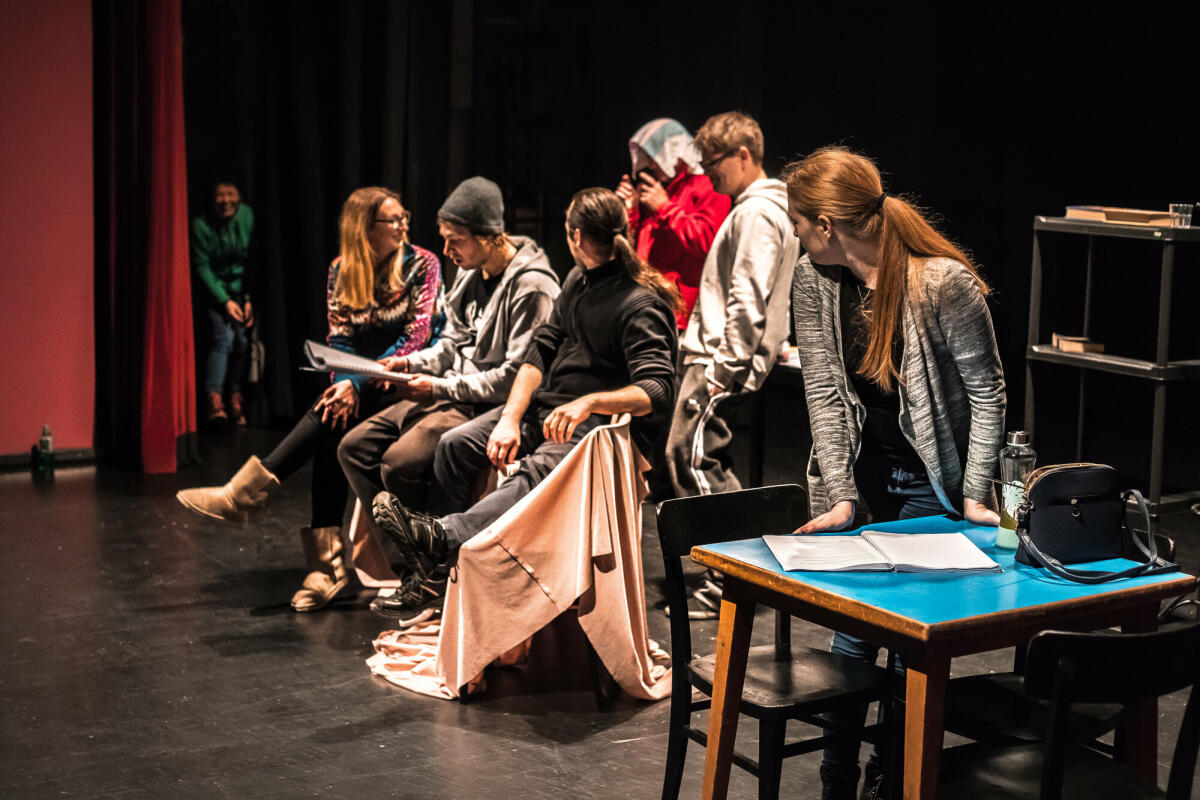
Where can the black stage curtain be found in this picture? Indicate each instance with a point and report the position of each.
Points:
(302, 103)
(987, 116)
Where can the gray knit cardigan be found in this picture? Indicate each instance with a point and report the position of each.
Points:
(951, 392)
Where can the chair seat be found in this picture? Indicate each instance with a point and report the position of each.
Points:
(983, 772)
(996, 709)
(814, 678)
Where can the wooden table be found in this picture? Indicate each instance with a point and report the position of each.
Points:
(929, 619)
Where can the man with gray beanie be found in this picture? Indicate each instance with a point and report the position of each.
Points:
(504, 289)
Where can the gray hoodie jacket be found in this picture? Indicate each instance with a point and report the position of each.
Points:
(477, 358)
(951, 391)
(741, 316)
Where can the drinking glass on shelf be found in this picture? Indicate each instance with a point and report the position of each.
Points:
(1181, 215)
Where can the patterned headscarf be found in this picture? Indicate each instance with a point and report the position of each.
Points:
(665, 141)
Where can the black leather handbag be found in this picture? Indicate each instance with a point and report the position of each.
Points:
(1074, 513)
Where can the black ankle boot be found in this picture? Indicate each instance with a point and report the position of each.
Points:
(838, 784)
(873, 782)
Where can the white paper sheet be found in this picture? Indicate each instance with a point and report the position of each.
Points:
(324, 358)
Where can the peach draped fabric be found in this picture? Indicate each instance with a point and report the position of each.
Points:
(575, 537)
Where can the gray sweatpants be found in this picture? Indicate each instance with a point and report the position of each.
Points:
(698, 456)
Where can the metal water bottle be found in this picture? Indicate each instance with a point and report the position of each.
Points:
(1016, 462)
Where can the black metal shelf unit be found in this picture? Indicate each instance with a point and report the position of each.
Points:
(1160, 371)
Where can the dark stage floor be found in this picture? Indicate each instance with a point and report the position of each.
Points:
(148, 653)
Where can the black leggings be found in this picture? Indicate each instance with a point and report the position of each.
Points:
(310, 438)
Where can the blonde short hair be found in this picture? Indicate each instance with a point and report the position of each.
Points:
(725, 133)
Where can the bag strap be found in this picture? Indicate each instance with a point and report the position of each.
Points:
(1153, 566)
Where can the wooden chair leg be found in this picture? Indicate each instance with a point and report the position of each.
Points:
(770, 757)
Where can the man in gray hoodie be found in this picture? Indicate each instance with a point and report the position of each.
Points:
(740, 320)
(503, 291)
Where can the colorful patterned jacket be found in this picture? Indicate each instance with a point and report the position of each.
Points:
(401, 321)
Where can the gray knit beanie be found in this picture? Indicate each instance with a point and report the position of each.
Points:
(475, 204)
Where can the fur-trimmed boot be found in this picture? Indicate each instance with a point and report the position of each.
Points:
(246, 491)
(323, 555)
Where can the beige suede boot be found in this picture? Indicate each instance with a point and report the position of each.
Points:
(246, 491)
(323, 555)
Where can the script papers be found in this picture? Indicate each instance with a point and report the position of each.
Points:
(875, 551)
(327, 359)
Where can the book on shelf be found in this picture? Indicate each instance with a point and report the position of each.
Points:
(1075, 344)
(323, 358)
(876, 551)
(1120, 216)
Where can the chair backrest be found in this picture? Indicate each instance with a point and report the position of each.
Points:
(692, 521)
(688, 522)
(1136, 666)
(1070, 667)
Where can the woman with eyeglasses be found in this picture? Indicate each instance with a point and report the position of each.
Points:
(384, 299)
(902, 376)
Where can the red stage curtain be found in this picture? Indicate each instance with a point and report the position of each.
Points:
(168, 368)
(145, 374)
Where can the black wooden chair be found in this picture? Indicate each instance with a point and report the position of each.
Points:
(783, 682)
(1067, 668)
(995, 708)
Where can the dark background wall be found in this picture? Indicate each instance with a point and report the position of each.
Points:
(987, 119)
(46, 321)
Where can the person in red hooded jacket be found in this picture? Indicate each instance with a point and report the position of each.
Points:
(673, 211)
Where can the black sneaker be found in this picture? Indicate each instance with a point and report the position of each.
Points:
(414, 596)
(708, 596)
(420, 537)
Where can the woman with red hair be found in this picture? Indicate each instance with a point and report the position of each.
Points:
(901, 372)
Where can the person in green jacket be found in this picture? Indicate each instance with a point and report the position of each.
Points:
(220, 255)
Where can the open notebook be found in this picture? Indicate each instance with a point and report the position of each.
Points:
(875, 551)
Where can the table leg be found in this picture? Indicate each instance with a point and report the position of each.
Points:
(924, 724)
(1137, 733)
(733, 645)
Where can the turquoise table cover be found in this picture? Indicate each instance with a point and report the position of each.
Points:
(932, 598)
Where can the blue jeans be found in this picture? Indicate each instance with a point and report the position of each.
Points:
(891, 492)
(226, 353)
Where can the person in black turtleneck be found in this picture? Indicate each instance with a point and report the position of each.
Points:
(609, 347)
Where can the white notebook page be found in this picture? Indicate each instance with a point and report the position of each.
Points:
(825, 553)
(930, 551)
